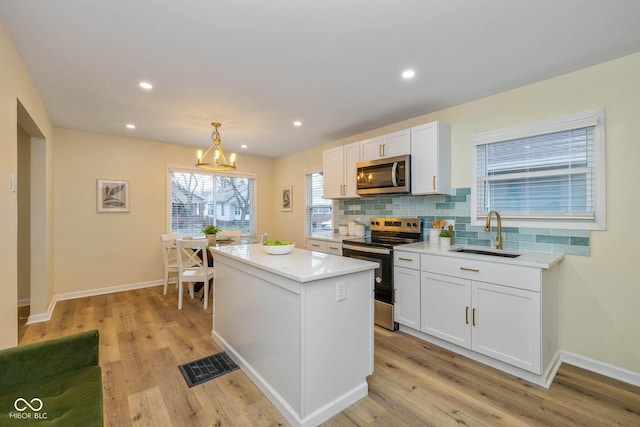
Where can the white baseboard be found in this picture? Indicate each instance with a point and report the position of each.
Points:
(24, 302)
(605, 369)
(44, 317)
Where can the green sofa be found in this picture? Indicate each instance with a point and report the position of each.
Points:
(52, 383)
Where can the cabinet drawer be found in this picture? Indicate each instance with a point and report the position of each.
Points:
(515, 276)
(334, 248)
(317, 245)
(406, 259)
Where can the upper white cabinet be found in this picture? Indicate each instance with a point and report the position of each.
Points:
(390, 145)
(339, 168)
(431, 159)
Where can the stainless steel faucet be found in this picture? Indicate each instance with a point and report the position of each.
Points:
(487, 227)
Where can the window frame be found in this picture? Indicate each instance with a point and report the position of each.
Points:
(580, 120)
(308, 208)
(185, 169)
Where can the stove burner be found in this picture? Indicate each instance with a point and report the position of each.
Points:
(389, 232)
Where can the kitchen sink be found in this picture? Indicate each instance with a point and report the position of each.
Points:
(485, 252)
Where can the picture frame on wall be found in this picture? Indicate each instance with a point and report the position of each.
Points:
(112, 195)
(286, 199)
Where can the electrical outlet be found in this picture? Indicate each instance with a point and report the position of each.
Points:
(341, 291)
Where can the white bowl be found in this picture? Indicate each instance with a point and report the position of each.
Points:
(278, 249)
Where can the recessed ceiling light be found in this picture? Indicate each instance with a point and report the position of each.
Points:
(297, 123)
(145, 85)
(243, 146)
(131, 126)
(408, 74)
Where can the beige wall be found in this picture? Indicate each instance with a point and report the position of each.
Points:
(99, 250)
(15, 85)
(599, 294)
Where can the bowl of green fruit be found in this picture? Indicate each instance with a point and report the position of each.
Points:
(276, 247)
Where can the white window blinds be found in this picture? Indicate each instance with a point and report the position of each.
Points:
(202, 198)
(318, 209)
(550, 171)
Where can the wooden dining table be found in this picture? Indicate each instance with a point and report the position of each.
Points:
(197, 286)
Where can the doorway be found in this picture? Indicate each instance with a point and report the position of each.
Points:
(31, 236)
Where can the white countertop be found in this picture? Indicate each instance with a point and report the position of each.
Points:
(300, 265)
(527, 258)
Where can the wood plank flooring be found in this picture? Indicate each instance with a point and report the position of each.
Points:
(143, 339)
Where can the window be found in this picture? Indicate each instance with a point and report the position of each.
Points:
(318, 209)
(546, 174)
(197, 198)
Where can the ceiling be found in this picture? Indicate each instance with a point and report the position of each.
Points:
(257, 66)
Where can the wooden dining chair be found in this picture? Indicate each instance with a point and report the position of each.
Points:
(169, 257)
(193, 267)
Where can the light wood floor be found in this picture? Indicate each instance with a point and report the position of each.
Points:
(143, 338)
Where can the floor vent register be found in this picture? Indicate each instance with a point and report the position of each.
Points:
(207, 368)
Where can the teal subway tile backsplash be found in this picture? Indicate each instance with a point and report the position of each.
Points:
(578, 241)
(457, 206)
(557, 240)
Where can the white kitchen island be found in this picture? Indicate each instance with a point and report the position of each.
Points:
(299, 325)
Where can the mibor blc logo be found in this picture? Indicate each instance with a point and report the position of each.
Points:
(28, 409)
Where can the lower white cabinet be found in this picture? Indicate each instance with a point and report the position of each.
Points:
(498, 321)
(501, 314)
(406, 283)
(406, 309)
(326, 246)
(445, 303)
(506, 324)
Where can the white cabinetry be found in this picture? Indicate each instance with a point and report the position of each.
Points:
(445, 303)
(339, 169)
(406, 282)
(493, 309)
(326, 246)
(390, 145)
(431, 159)
(507, 324)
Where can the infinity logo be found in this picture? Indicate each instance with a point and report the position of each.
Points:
(35, 404)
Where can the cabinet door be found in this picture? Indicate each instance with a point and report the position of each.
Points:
(333, 171)
(371, 149)
(351, 158)
(507, 325)
(430, 159)
(396, 143)
(406, 309)
(446, 308)
(390, 145)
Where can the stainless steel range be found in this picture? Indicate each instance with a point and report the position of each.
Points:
(386, 233)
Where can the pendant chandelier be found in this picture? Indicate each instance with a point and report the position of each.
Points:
(218, 160)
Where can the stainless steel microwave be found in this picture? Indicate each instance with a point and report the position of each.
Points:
(384, 176)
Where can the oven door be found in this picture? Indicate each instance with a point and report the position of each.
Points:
(383, 277)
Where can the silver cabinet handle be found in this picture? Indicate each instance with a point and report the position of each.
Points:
(475, 270)
(406, 259)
